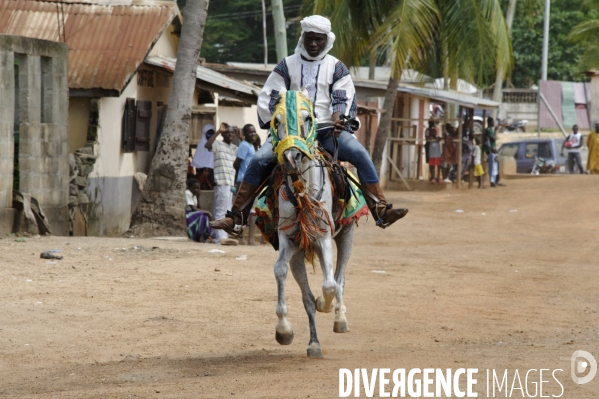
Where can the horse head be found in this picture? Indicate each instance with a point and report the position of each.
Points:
(293, 130)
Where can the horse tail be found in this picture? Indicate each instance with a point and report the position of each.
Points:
(310, 257)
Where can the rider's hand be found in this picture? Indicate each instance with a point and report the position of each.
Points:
(339, 127)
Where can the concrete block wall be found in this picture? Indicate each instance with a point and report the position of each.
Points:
(7, 101)
(43, 124)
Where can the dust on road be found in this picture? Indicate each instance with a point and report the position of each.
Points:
(510, 283)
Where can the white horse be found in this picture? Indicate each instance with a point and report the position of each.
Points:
(307, 182)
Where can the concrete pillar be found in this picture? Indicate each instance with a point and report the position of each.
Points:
(7, 106)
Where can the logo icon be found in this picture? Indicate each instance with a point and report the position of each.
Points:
(581, 362)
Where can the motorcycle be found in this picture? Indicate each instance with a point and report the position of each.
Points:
(516, 126)
(543, 166)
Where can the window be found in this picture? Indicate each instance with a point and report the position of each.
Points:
(136, 125)
(509, 150)
(538, 150)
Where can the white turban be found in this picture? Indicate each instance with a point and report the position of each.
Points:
(316, 24)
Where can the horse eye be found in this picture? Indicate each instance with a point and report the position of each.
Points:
(281, 133)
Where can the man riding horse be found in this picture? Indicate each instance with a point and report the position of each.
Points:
(330, 88)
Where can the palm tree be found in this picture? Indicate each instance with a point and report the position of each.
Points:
(461, 39)
(588, 32)
(161, 210)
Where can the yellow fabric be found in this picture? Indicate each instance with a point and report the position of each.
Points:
(593, 144)
(478, 170)
(288, 110)
(290, 142)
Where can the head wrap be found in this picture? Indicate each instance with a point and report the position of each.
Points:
(202, 157)
(316, 24)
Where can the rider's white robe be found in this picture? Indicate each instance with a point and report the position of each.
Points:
(327, 81)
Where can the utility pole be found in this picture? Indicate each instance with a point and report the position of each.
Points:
(545, 41)
(498, 89)
(280, 29)
(264, 33)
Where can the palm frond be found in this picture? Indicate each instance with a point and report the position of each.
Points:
(587, 31)
(590, 59)
(410, 28)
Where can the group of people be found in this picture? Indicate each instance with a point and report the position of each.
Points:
(219, 165)
(442, 154)
(575, 142)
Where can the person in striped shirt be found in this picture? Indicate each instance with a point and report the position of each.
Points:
(225, 153)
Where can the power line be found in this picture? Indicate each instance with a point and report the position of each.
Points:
(248, 14)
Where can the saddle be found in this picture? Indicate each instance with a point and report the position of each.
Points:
(349, 203)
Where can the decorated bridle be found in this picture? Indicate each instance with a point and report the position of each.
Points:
(292, 123)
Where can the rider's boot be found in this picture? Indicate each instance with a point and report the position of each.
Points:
(236, 218)
(383, 213)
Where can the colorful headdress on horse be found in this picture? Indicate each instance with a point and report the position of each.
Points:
(289, 107)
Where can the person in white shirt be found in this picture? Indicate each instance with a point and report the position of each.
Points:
(479, 172)
(330, 88)
(573, 144)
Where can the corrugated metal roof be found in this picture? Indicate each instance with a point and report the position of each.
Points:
(107, 43)
(435, 94)
(210, 76)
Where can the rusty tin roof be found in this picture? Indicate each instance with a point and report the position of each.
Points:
(107, 43)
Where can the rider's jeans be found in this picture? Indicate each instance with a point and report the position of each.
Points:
(350, 150)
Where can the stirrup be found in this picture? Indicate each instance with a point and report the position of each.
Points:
(382, 220)
(236, 216)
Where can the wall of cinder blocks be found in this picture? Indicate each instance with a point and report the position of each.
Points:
(36, 103)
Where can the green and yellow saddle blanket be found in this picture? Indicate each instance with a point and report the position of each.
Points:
(267, 213)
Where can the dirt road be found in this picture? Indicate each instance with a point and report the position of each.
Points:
(510, 283)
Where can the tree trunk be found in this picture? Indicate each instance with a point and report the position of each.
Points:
(161, 210)
(498, 89)
(385, 125)
(372, 65)
(280, 31)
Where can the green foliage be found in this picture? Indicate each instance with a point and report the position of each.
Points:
(234, 31)
(527, 40)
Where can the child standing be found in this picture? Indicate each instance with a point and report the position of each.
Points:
(478, 167)
(494, 167)
(434, 153)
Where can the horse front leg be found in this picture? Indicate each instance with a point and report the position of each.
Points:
(298, 269)
(283, 331)
(344, 242)
(324, 250)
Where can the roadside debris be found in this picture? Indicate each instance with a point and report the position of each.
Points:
(50, 255)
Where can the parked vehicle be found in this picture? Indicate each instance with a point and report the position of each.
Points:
(516, 126)
(527, 151)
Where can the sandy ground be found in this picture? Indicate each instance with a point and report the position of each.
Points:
(510, 283)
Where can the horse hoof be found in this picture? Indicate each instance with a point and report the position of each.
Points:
(340, 327)
(314, 351)
(320, 305)
(286, 339)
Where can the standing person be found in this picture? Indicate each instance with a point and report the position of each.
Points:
(224, 173)
(203, 160)
(449, 157)
(573, 144)
(478, 167)
(466, 154)
(244, 156)
(330, 88)
(489, 144)
(593, 145)
(434, 153)
(430, 131)
(245, 152)
(197, 219)
(493, 167)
